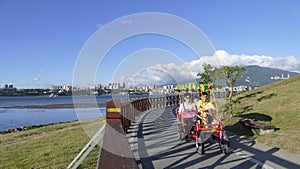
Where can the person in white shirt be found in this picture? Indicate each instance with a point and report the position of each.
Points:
(187, 105)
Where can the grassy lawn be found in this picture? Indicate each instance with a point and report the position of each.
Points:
(276, 104)
(53, 146)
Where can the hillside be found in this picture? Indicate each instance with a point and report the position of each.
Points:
(276, 103)
(260, 76)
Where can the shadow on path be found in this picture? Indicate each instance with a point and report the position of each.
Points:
(157, 146)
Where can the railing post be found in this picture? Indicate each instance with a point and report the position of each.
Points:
(151, 103)
(113, 111)
(115, 150)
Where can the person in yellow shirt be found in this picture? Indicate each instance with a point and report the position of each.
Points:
(206, 107)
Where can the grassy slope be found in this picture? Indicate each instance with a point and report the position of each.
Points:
(277, 104)
(53, 146)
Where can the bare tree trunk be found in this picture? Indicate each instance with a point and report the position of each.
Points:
(229, 101)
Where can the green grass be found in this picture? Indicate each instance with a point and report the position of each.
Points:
(277, 104)
(53, 146)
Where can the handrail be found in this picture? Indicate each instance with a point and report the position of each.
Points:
(91, 144)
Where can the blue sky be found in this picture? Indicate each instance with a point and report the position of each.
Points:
(40, 41)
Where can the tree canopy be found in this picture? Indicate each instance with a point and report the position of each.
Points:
(230, 73)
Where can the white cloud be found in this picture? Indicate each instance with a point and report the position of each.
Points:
(170, 73)
(289, 63)
(36, 79)
(149, 76)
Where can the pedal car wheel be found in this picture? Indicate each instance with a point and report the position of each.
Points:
(224, 146)
(179, 135)
(187, 138)
(197, 147)
(202, 148)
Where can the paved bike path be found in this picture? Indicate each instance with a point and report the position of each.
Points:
(155, 144)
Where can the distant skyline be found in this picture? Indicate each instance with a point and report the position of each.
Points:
(40, 41)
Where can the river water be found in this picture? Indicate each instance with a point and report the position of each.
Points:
(18, 117)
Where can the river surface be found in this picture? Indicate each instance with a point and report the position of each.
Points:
(18, 117)
(12, 101)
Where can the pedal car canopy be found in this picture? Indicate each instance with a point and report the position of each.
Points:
(193, 87)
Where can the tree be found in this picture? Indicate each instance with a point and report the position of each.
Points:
(211, 75)
(231, 74)
(208, 76)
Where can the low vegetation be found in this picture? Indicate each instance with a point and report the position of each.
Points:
(53, 146)
(276, 104)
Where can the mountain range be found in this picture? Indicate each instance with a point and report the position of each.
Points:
(256, 76)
